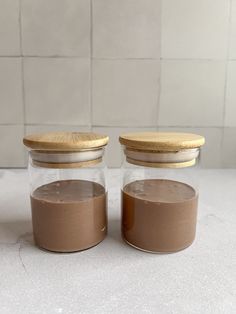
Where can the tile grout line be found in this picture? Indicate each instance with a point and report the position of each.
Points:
(160, 72)
(226, 61)
(20, 29)
(226, 79)
(91, 65)
(121, 126)
(22, 74)
(116, 59)
(161, 126)
(46, 56)
(194, 59)
(159, 97)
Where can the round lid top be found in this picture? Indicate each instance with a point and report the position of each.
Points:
(161, 141)
(65, 141)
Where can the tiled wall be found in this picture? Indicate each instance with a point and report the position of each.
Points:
(118, 65)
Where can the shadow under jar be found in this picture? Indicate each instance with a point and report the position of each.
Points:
(68, 191)
(159, 192)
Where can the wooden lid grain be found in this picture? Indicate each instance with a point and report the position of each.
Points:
(65, 141)
(161, 141)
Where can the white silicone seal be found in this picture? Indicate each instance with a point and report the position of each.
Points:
(163, 157)
(66, 157)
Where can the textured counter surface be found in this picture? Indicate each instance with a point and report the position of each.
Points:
(113, 277)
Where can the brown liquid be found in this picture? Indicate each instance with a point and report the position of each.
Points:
(159, 215)
(69, 215)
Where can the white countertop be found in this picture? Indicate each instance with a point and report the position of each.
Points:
(114, 277)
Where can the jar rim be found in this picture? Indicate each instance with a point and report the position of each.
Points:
(184, 164)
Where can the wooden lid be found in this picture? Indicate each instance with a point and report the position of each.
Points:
(161, 141)
(65, 141)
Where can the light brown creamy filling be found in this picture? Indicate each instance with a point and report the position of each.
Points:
(69, 215)
(159, 215)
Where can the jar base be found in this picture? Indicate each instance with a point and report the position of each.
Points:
(157, 252)
(49, 250)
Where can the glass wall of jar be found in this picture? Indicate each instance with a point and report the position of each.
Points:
(68, 189)
(159, 190)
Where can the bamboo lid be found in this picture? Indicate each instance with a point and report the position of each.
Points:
(161, 141)
(65, 141)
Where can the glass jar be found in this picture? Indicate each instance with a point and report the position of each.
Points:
(159, 190)
(68, 190)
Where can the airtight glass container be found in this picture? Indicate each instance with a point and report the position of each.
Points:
(159, 190)
(68, 191)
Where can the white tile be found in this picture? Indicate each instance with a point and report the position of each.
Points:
(192, 93)
(11, 107)
(232, 42)
(211, 151)
(125, 92)
(57, 91)
(9, 28)
(230, 104)
(56, 27)
(114, 154)
(126, 28)
(229, 148)
(12, 148)
(195, 29)
(32, 129)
